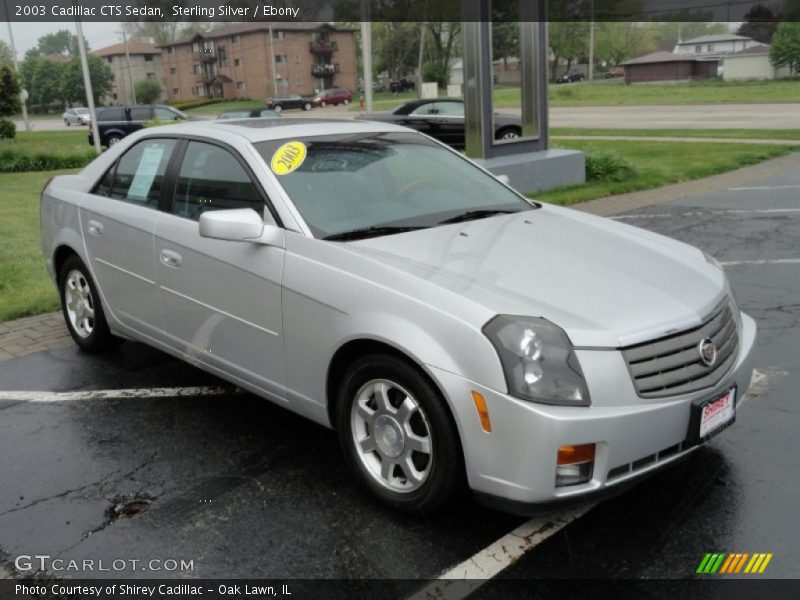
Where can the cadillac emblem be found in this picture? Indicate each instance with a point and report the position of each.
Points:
(708, 352)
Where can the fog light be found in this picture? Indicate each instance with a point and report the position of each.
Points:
(574, 464)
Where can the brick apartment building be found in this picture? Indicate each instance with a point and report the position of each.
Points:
(257, 60)
(145, 63)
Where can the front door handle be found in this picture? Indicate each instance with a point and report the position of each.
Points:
(171, 258)
(95, 227)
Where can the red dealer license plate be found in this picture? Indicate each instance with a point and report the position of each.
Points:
(717, 414)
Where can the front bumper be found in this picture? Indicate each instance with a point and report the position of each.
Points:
(516, 462)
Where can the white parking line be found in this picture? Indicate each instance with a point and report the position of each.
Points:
(466, 577)
(173, 392)
(763, 187)
(708, 213)
(766, 261)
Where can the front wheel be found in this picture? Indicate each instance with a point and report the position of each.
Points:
(398, 435)
(66, 122)
(323, 104)
(345, 101)
(307, 106)
(82, 309)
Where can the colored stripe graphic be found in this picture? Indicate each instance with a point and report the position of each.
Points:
(734, 562)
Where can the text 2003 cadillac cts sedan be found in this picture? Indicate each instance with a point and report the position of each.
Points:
(373, 280)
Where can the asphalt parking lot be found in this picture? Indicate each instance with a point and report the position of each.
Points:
(245, 489)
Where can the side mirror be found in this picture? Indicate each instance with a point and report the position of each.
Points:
(239, 225)
(503, 179)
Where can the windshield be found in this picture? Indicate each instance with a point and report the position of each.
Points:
(82, 111)
(379, 181)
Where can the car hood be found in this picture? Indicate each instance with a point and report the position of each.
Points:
(607, 284)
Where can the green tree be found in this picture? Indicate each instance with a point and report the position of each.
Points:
(60, 42)
(9, 101)
(6, 60)
(616, 42)
(148, 91)
(568, 41)
(785, 51)
(41, 77)
(395, 48)
(442, 44)
(505, 41)
(71, 84)
(760, 24)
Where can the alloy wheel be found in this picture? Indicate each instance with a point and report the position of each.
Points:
(80, 303)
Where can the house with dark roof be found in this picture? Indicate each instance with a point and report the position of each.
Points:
(752, 64)
(143, 61)
(666, 66)
(260, 59)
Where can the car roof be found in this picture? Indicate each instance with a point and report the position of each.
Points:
(262, 130)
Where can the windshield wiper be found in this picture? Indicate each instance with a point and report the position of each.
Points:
(366, 232)
(471, 215)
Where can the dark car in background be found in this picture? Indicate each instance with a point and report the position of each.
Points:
(401, 85)
(115, 122)
(333, 97)
(614, 72)
(570, 77)
(250, 113)
(443, 119)
(281, 102)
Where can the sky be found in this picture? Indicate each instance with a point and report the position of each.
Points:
(26, 34)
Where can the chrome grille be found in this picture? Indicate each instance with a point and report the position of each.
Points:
(671, 365)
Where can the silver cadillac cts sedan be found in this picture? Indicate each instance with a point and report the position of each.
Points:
(367, 277)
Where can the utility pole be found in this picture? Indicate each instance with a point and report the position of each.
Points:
(272, 57)
(422, 29)
(130, 73)
(591, 42)
(87, 83)
(23, 96)
(366, 58)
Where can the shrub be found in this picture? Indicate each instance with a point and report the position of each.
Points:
(7, 129)
(13, 160)
(607, 165)
(147, 91)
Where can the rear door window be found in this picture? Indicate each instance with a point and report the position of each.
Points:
(140, 172)
(140, 113)
(116, 113)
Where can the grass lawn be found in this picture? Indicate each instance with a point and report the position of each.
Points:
(696, 92)
(754, 134)
(74, 141)
(25, 288)
(661, 163)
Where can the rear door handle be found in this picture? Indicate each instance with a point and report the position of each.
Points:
(171, 258)
(95, 227)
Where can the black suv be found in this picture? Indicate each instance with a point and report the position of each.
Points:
(115, 122)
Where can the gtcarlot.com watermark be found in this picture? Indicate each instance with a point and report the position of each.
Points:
(48, 564)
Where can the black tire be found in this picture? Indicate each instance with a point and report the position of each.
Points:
(277, 108)
(508, 133)
(66, 122)
(307, 106)
(323, 104)
(112, 139)
(345, 101)
(100, 338)
(445, 480)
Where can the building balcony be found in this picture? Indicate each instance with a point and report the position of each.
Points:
(205, 56)
(324, 70)
(323, 47)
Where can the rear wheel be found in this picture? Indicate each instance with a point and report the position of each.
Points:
(508, 133)
(307, 106)
(66, 122)
(277, 108)
(398, 436)
(323, 104)
(113, 139)
(82, 309)
(345, 101)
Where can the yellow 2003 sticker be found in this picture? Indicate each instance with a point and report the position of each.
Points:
(288, 157)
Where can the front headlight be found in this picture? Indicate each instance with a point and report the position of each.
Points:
(538, 360)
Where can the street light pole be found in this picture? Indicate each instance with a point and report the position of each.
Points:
(87, 83)
(130, 73)
(23, 94)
